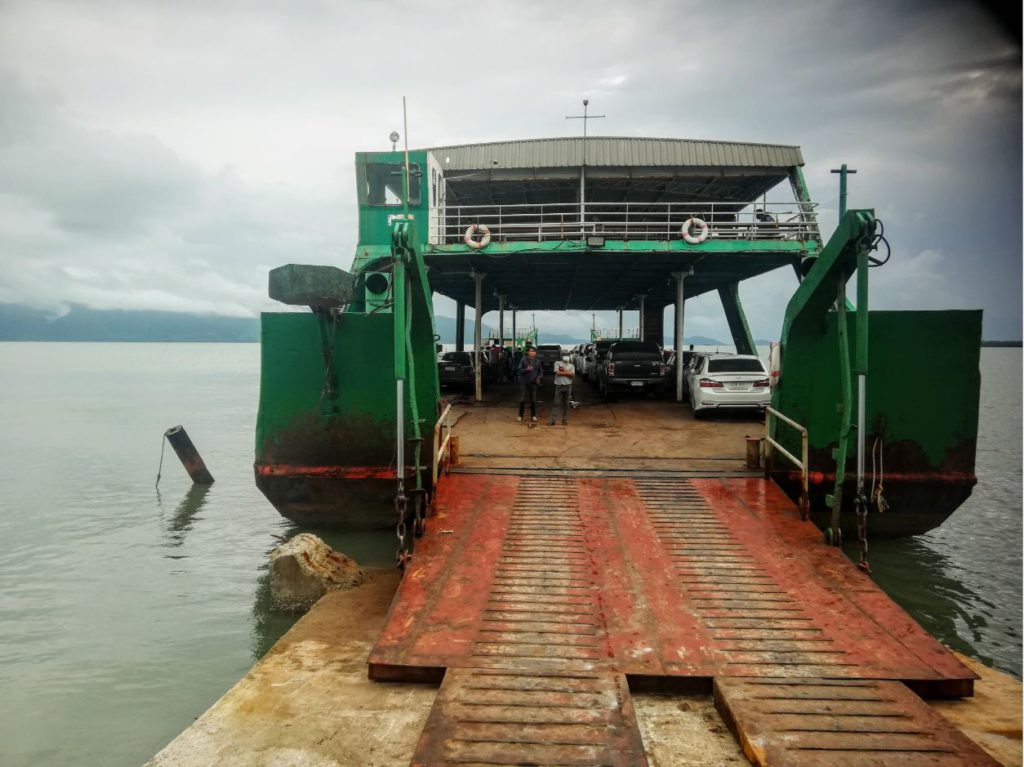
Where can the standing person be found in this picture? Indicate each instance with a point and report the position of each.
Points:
(564, 371)
(530, 374)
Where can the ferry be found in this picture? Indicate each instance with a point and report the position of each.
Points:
(860, 430)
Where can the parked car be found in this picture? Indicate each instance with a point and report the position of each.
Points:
(693, 363)
(456, 369)
(729, 381)
(631, 366)
(548, 354)
(595, 358)
(583, 361)
(670, 373)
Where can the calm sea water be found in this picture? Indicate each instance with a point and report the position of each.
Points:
(125, 612)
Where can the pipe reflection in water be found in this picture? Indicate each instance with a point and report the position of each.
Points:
(185, 514)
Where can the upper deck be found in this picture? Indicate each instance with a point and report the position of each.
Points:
(592, 223)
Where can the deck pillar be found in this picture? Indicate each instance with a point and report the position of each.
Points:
(460, 326)
(478, 278)
(678, 330)
(515, 338)
(501, 322)
(640, 323)
(744, 341)
(620, 322)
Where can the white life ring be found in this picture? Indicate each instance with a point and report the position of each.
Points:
(774, 364)
(472, 231)
(695, 239)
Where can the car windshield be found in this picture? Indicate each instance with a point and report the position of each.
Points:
(735, 365)
(463, 358)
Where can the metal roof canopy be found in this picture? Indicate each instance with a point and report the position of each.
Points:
(591, 280)
(626, 170)
(631, 152)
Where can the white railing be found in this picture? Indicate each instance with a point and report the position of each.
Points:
(442, 447)
(657, 221)
(801, 463)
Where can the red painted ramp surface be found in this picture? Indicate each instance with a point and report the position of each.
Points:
(645, 577)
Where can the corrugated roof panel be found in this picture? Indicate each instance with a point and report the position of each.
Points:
(622, 152)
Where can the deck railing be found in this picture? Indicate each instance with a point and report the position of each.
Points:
(442, 445)
(656, 221)
(802, 462)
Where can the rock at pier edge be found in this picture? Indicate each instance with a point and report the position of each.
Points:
(305, 568)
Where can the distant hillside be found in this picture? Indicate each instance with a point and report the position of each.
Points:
(20, 323)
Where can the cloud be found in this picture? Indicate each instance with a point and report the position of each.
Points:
(174, 152)
(111, 220)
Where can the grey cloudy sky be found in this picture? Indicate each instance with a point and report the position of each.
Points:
(166, 155)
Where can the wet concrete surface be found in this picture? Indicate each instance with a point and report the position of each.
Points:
(309, 702)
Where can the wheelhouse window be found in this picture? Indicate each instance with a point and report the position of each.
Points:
(384, 183)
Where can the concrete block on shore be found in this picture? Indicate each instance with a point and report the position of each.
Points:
(305, 568)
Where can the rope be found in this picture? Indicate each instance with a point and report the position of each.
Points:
(878, 481)
(160, 468)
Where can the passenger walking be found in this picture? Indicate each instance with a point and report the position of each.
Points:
(529, 374)
(564, 371)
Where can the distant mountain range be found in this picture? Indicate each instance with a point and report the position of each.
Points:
(21, 323)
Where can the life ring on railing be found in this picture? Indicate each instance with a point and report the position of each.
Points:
(702, 234)
(470, 237)
(774, 363)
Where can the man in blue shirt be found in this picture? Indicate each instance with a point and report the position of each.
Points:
(529, 374)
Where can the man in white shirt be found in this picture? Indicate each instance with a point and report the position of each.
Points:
(564, 372)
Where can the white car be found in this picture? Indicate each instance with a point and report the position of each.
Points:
(729, 381)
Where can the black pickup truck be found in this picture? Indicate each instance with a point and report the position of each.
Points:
(632, 366)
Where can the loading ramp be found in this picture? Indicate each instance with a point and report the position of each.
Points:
(540, 600)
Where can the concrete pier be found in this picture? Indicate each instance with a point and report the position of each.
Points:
(309, 701)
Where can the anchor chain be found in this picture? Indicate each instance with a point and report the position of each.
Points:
(861, 511)
(402, 553)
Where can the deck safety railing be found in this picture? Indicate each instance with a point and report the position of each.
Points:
(802, 462)
(442, 446)
(656, 221)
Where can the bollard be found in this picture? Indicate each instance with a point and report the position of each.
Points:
(188, 455)
(754, 452)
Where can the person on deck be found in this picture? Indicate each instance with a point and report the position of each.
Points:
(529, 374)
(564, 372)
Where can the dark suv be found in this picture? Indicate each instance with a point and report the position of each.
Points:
(456, 369)
(636, 366)
(549, 354)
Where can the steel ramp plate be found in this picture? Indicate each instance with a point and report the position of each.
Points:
(494, 717)
(646, 577)
(840, 723)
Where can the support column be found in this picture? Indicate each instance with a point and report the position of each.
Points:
(737, 320)
(460, 326)
(641, 335)
(478, 279)
(501, 322)
(620, 322)
(678, 331)
(515, 338)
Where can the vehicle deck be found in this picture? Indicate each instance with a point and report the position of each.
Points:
(556, 574)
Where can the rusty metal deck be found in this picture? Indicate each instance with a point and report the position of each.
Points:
(658, 580)
(854, 723)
